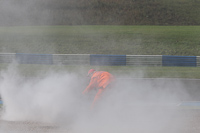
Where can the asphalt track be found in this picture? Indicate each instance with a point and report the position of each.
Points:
(188, 107)
(175, 85)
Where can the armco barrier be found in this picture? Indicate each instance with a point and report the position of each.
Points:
(7, 57)
(34, 58)
(198, 61)
(168, 60)
(71, 59)
(108, 60)
(101, 60)
(144, 60)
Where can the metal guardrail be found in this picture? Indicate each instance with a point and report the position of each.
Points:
(144, 60)
(168, 60)
(71, 59)
(34, 58)
(7, 57)
(198, 61)
(100, 60)
(108, 60)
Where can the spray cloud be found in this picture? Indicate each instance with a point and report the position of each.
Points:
(131, 105)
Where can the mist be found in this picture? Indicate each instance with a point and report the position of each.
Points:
(22, 13)
(39, 12)
(55, 97)
(131, 105)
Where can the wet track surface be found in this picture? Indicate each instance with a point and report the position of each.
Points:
(173, 85)
(23, 127)
(183, 118)
(190, 124)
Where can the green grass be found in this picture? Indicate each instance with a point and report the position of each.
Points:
(118, 71)
(128, 40)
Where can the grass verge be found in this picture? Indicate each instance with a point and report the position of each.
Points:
(119, 71)
(99, 39)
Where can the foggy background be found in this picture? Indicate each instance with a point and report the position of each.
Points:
(21, 12)
(43, 12)
(99, 12)
(55, 97)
